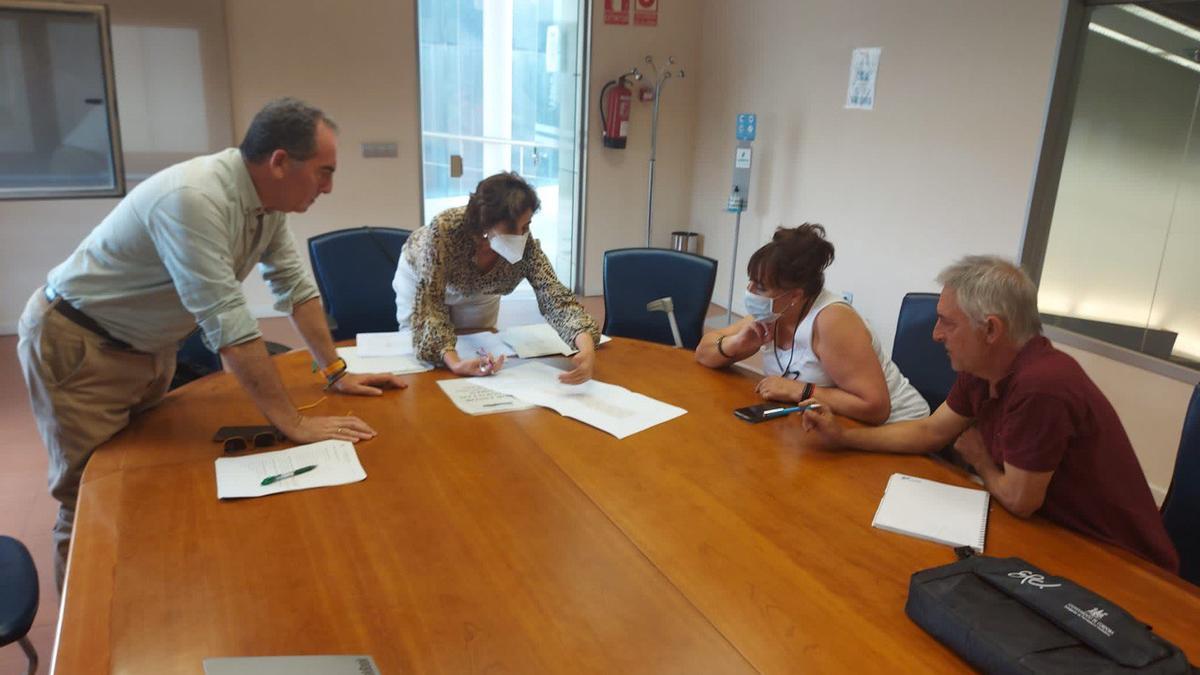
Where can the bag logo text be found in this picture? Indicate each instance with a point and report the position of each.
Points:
(1033, 579)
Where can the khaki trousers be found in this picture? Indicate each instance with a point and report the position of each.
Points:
(83, 391)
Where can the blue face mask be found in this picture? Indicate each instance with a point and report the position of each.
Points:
(761, 308)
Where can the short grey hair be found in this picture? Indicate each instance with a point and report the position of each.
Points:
(286, 124)
(989, 285)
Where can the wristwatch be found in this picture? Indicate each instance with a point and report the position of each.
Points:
(334, 372)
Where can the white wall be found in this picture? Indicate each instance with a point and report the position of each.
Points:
(940, 168)
(617, 179)
(359, 64)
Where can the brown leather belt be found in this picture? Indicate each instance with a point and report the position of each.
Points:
(80, 319)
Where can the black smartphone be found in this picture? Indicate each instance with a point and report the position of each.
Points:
(767, 411)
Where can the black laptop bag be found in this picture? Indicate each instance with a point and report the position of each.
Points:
(1003, 615)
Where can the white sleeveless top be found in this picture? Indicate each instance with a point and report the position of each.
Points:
(802, 364)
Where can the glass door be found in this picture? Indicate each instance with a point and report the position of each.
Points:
(501, 89)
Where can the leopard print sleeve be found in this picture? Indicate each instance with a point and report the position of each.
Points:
(557, 304)
(433, 332)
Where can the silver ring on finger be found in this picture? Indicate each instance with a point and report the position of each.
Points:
(339, 430)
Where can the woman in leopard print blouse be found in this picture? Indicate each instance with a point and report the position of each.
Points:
(453, 271)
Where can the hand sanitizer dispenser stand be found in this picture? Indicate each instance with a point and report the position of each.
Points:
(747, 125)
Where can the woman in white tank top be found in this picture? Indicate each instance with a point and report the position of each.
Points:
(815, 346)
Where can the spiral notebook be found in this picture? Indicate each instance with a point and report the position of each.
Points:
(930, 510)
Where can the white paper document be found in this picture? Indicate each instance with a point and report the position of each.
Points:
(384, 344)
(607, 407)
(476, 400)
(526, 342)
(394, 353)
(336, 462)
(397, 365)
(934, 511)
(537, 339)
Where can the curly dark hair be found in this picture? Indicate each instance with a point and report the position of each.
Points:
(286, 124)
(794, 258)
(499, 198)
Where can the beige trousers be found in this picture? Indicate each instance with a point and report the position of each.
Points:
(83, 391)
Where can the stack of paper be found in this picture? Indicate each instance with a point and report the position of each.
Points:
(383, 353)
(336, 464)
(934, 511)
(372, 345)
(397, 365)
(607, 407)
(393, 352)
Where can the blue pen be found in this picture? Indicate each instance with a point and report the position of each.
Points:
(780, 412)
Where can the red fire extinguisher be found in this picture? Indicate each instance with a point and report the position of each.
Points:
(615, 100)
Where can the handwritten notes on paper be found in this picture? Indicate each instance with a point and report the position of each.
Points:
(476, 400)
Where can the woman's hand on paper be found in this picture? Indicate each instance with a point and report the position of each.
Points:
(585, 363)
(479, 367)
(584, 360)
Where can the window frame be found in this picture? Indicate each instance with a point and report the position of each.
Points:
(1048, 173)
(101, 13)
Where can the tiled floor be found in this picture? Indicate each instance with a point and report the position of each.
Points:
(26, 509)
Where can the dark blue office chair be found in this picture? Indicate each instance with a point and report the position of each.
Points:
(1181, 508)
(635, 277)
(354, 271)
(923, 361)
(18, 597)
(193, 360)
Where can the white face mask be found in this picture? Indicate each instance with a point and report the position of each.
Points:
(511, 247)
(761, 308)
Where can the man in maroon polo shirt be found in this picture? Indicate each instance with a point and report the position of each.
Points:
(1037, 430)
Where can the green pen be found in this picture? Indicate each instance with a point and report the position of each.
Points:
(276, 478)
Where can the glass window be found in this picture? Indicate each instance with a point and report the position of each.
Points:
(1122, 257)
(500, 88)
(58, 132)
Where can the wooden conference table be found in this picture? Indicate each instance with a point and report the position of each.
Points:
(527, 542)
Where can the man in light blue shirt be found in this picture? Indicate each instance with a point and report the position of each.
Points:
(97, 343)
